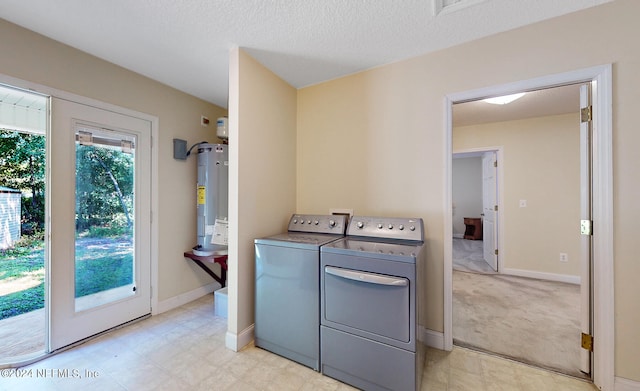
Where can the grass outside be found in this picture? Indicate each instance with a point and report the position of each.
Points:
(101, 264)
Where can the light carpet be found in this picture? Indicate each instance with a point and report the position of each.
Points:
(532, 321)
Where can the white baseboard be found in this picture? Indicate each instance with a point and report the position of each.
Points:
(177, 301)
(433, 339)
(542, 275)
(622, 384)
(236, 342)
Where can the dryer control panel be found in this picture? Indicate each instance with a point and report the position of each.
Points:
(387, 228)
(324, 224)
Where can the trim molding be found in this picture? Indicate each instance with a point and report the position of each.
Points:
(603, 255)
(433, 339)
(177, 301)
(237, 342)
(622, 384)
(542, 275)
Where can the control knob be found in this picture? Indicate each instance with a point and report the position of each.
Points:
(380, 225)
(316, 222)
(412, 228)
(401, 227)
(360, 224)
(390, 226)
(332, 223)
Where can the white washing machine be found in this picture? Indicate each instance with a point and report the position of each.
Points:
(287, 290)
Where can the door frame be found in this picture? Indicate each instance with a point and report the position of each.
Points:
(498, 150)
(489, 162)
(603, 373)
(72, 321)
(54, 92)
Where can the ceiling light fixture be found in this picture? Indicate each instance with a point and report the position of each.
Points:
(503, 100)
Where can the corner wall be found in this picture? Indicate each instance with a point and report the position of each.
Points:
(262, 178)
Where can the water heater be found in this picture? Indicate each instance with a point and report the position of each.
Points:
(212, 203)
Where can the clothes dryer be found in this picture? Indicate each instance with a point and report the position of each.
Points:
(372, 290)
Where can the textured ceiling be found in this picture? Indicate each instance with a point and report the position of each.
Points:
(185, 43)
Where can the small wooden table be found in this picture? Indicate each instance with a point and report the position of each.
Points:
(219, 259)
(473, 230)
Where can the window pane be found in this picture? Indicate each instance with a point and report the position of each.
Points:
(104, 240)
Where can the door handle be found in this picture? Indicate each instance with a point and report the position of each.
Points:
(371, 278)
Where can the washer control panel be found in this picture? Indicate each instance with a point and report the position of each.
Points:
(387, 228)
(324, 224)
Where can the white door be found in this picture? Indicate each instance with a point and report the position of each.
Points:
(489, 206)
(585, 214)
(99, 221)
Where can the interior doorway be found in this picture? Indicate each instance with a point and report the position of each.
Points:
(538, 240)
(476, 195)
(601, 238)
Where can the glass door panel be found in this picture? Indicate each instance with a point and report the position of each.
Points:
(104, 218)
(23, 171)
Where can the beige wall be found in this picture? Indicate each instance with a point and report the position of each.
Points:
(541, 164)
(466, 191)
(375, 141)
(34, 58)
(262, 184)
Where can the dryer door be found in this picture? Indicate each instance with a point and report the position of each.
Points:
(369, 302)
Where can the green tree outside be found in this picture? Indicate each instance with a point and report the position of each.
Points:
(22, 167)
(104, 191)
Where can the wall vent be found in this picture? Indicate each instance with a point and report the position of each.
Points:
(448, 6)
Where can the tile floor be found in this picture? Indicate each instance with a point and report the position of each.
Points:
(183, 349)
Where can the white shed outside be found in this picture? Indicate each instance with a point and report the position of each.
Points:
(10, 212)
